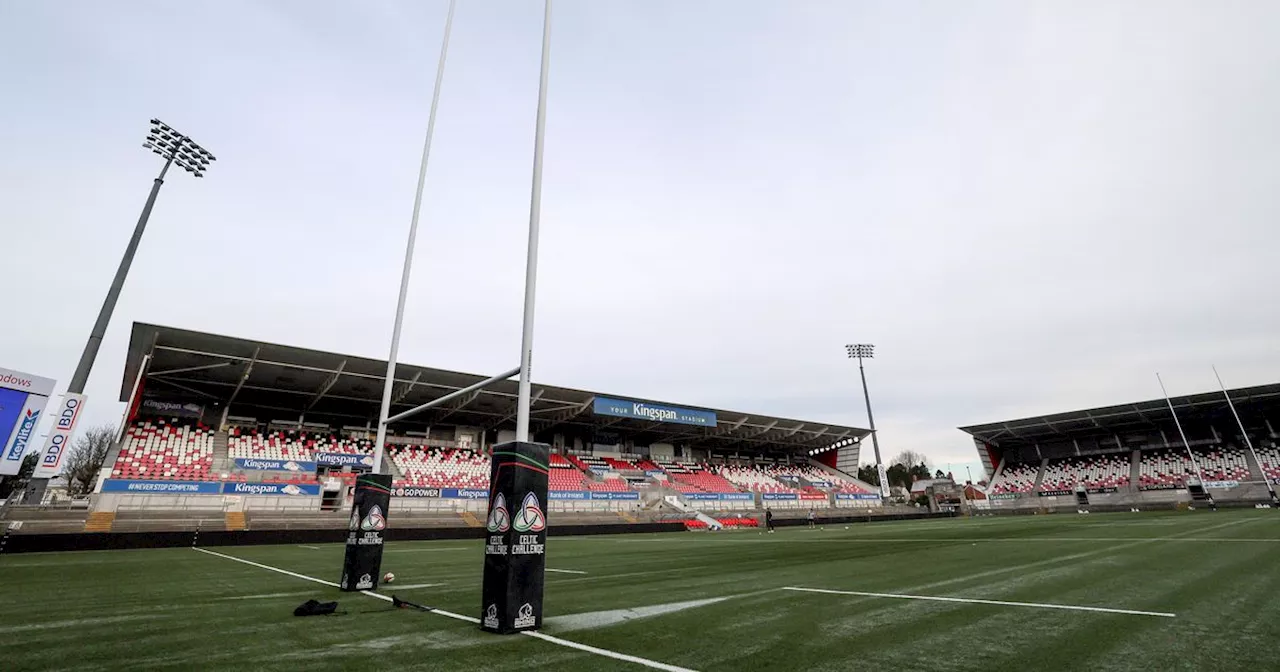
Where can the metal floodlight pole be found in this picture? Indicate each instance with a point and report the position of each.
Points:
(535, 211)
(859, 351)
(174, 148)
(1247, 441)
(389, 383)
(1186, 444)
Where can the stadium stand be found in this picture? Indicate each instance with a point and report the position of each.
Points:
(440, 467)
(1095, 471)
(1015, 478)
(163, 450)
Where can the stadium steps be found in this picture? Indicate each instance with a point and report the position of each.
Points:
(100, 521)
(221, 455)
(396, 474)
(1135, 471)
(1044, 464)
(1255, 469)
(627, 517)
(470, 519)
(235, 521)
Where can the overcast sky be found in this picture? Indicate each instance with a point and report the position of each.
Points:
(1027, 207)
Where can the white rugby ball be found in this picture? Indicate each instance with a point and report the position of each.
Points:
(388, 577)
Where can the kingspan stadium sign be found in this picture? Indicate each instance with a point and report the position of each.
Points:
(621, 408)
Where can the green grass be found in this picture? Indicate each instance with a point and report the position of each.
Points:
(180, 609)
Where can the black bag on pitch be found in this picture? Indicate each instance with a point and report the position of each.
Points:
(314, 608)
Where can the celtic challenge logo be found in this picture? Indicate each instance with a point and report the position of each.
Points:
(499, 519)
(530, 518)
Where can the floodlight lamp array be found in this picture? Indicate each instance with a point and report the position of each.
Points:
(169, 143)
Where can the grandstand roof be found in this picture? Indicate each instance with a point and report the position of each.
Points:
(1122, 418)
(347, 390)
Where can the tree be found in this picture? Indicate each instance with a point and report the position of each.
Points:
(9, 483)
(867, 473)
(911, 457)
(86, 457)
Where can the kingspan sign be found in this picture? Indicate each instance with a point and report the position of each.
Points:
(621, 408)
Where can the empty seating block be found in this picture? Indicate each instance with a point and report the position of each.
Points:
(277, 445)
(754, 478)
(440, 467)
(564, 476)
(1015, 478)
(702, 480)
(166, 451)
(1165, 467)
(1093, 471)
(1224, 464)
(1269, 460)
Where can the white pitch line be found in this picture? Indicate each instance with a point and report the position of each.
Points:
(565, 571)
(411, 586)
(471, 619)
(314, 548)
(1001, 603)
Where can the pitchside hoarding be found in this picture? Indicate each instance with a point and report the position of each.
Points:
(353, 460)
(274, 465)
(515, 544)
(22, 401)
(211, 488)
(640, 410)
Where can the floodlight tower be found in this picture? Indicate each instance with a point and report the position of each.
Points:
(174, 147)
(866, 351)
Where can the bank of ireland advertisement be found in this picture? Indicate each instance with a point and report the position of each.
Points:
(568, 495)
(23, 398)
(737, 497)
